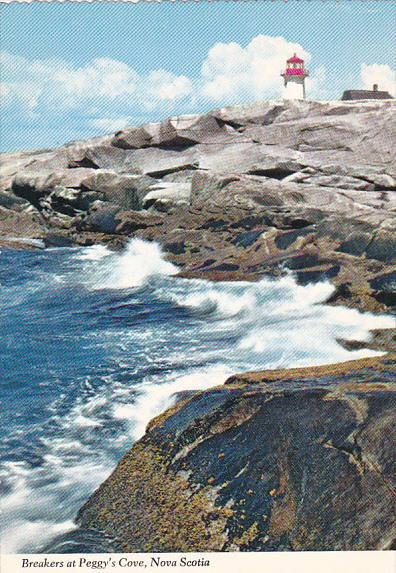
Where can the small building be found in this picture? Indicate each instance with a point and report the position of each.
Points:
(375, 93)
(294, 78)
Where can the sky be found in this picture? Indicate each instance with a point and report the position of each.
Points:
(75, 70)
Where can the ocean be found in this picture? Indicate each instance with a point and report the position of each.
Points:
(94, 344)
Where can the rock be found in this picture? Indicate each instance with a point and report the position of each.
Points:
(280, 460)
(157, 162)
(181, 131)
(383, 246)
(327, 134)
(254, 192)
(384, 287)
(205, 186)
(57, 240)
(8, 200)
(52, 161)
(130, 221)
(165, 196)
(253, 158)
(104, 157)
(383, 181)
(259, 174)
(21, 224)
(341, 228)
(32, 185)
(339, 181)
(285, 240)
(102, 218)
(317, 274)
(132, 138)
(355, 243)
(247, 238)
(12, 163)
(126, 190)
(183, 176)
(255, 113)
(386, 281)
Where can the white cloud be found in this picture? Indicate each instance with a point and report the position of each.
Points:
(166, 86)
(380, 74)
(233, 72)
(57, 87)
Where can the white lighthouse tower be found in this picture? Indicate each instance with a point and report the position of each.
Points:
(294, 78)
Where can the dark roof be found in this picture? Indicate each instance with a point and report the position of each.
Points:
(365, 94)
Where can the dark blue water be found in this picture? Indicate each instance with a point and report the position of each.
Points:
(94, 344)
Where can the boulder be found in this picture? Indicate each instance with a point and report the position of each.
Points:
(132, 138)
(22, 223)
(8, 200)
(126, 190)
(355, 243)
(130, 221)
(180, 131)
(383, 246)
(96, 157)
(12, 163)
(57, 240)
(384, 287)
(101, 218)
(166, 196)
(32, 185)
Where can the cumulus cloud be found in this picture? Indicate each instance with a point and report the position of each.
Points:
(380, 74)
(56, 86)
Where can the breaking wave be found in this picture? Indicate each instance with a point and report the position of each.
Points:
(131, 268)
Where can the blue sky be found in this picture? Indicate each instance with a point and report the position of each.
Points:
(75, 70)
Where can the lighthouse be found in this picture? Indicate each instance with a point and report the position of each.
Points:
(294, 78)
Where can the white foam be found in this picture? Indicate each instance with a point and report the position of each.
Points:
(156, 398)
(94, 253)
(23, 535)
(132, 267)
(280, 322)
(33, 510)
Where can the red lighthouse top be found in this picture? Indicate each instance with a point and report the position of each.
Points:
(295, 67)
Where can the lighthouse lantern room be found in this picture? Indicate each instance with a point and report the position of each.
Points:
(294, 78)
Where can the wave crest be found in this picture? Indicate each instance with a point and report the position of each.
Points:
(130, 268)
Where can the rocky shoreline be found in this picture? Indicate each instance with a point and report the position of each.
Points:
(287, 460)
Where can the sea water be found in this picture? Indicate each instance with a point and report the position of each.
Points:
(96, 343)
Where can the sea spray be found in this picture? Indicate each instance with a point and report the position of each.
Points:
(131, 268)
(152, 399)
